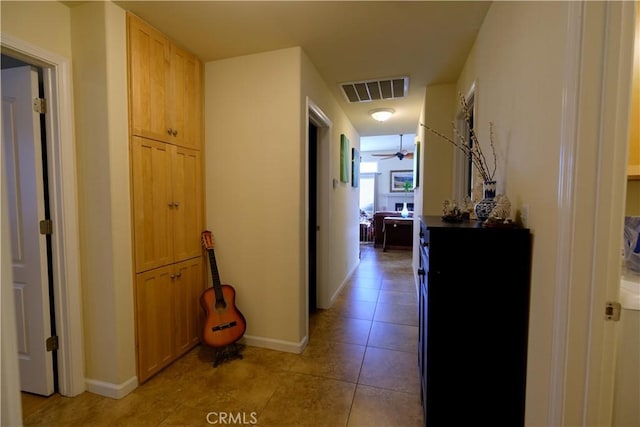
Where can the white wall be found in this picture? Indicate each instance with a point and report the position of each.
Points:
(252, 180)
(437, 183)
(51, 31)
(343, 199)
(46, 24)
(94, 34)
(98, 31)
(517, 63)
(255, 137)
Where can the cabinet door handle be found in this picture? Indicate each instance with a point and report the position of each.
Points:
(176, 204)
(170, 131)
(174, 133)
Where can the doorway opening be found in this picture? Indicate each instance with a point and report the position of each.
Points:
(24, 145)
(63, 244)
(318, 208)
(313, 216)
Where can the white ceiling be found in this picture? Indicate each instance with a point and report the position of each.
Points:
(387, 143)
(346, 41)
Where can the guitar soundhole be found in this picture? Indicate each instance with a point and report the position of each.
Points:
(221, 305)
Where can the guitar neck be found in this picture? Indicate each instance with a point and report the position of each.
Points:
(217, 285)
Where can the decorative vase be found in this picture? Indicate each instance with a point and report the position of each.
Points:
(404, 213)
(485, 206)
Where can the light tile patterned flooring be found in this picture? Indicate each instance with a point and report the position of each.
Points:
(359, 369)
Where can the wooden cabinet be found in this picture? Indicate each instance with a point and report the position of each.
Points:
(185, 119)
(189, 319)
(633, 167)
(149, 74)
(154, 318)
(473, 323)
(167, 203)
(165, 88)
(165, 99)
(167, 314)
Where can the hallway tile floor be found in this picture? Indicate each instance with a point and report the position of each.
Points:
(359, 369)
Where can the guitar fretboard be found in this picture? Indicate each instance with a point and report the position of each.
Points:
(217, 285)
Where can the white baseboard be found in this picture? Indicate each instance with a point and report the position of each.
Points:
(343, 284)
(114, 391)
(279, 345)
(335, 295)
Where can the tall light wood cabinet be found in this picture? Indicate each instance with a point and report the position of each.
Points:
(167, 202)
(189, 286)
(152, 203)
(149, 74)
(155, 320)
(165, 87)
(185, 99)
(168, 314)
(165, 99)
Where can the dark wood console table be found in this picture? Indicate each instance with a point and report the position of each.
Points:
(473, 322)
(398, 232)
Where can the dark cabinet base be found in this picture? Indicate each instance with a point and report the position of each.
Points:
(474, 311)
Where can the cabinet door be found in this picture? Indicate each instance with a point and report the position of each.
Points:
(155, 320)
(189, 316)
(152, 203)
(149, 72)
(187, 194)
(185, 108)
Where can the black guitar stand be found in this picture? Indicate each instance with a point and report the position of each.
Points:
(227, 353)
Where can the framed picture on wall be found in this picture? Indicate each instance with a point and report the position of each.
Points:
(355, 167)
(416, 166)
(344, 158)
(398, 179)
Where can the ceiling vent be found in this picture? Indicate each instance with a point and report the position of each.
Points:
(373, 90)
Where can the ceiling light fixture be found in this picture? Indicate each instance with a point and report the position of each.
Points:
(382, 114)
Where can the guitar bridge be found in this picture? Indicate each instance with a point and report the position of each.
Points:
(223, 326)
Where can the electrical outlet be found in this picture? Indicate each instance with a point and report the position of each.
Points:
(524, 215)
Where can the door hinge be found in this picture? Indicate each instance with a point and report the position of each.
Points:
(612, 311)
(52, 343)
(46, 227)
(40, 105)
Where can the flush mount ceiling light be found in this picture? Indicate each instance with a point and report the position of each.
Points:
(382, 114)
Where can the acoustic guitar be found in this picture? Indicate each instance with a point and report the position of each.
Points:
(224, 323)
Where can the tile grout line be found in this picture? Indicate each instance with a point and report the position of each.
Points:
(364, 354)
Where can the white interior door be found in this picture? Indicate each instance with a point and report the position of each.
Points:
(21, 143)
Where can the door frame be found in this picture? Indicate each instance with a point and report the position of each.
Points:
(462, 172)
(28, 201)
(64, 209)
(315, 115)
(599, 41)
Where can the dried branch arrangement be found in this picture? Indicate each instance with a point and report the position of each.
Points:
(473, 150)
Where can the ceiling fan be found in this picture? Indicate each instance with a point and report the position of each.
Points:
(400, 154)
